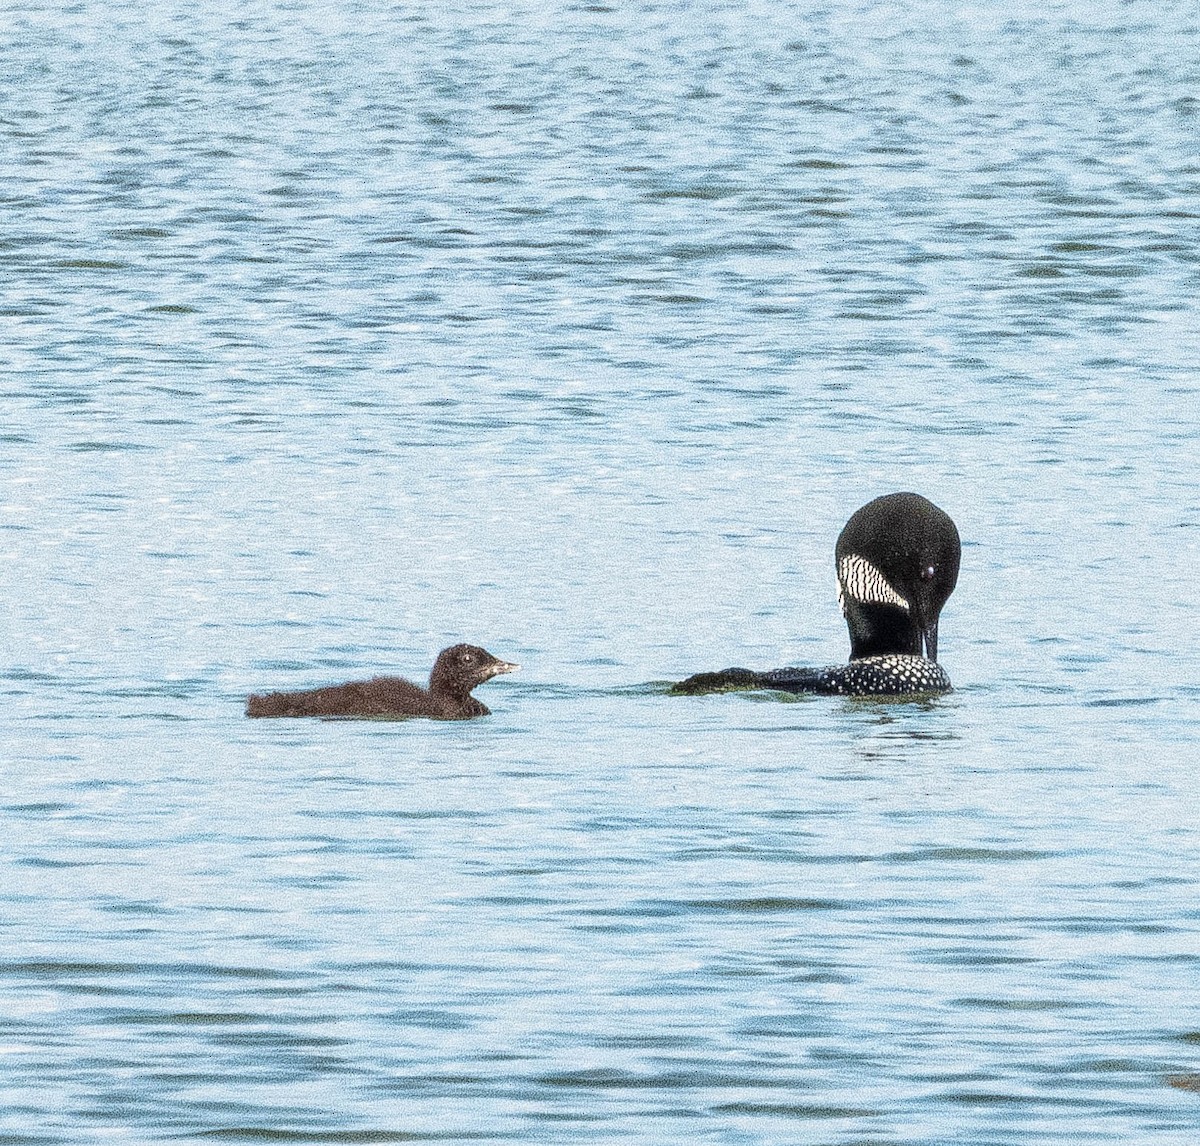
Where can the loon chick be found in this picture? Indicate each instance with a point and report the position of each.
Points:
(456, 672)
(897, 564)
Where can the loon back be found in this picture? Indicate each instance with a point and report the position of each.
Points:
(894, 674)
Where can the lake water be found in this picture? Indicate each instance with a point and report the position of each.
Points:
(336, 333)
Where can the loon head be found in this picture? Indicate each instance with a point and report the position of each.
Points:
(461, 668)
(897, 563)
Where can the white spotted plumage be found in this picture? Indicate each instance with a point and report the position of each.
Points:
(893, 674)
(888, 674)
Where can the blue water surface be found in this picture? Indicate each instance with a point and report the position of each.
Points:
(332, 334)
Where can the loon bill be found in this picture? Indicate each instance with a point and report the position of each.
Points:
(897, 563)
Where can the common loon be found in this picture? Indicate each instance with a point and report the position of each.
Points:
(456, 672)
(897, 563)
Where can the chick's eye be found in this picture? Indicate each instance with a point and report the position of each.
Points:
(466, 658)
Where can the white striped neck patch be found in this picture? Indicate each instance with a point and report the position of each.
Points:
(861, 581)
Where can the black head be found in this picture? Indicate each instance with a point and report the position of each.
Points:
(460, 668)
(897, 564)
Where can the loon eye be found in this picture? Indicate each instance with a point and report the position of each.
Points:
(929, 573)
(466, 658)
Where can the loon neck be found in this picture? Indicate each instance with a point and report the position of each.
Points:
(878, 630)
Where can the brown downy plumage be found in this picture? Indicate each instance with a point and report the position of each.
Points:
(456, 672)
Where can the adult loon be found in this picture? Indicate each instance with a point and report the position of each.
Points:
(897, 564)
(456, 672)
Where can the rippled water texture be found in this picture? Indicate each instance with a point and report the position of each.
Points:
(333, 334)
